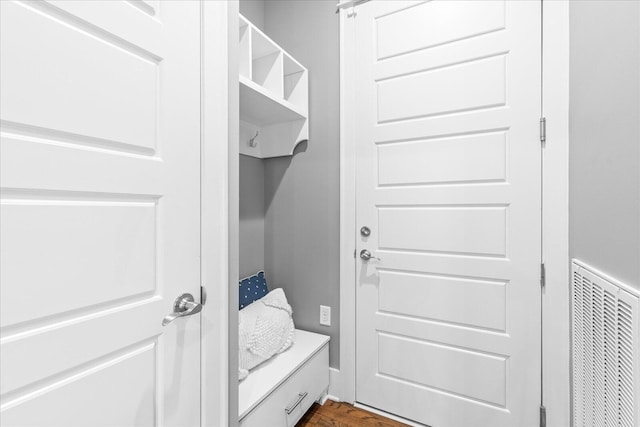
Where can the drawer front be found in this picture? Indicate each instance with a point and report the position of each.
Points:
(296, 395)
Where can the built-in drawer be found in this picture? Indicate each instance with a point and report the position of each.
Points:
(288, 403)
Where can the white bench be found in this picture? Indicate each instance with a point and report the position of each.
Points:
(278, 392)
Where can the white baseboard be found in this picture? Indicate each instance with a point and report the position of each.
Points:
(388, 415)
(334, 385)
(326, 397)
(334, 394)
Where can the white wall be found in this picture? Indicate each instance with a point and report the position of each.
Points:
(605, 137)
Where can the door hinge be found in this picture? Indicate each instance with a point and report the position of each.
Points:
(543, 130)
(543, 275)
(543, 416)
(203, 295)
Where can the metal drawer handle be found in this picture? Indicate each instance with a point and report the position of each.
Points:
(291, 408)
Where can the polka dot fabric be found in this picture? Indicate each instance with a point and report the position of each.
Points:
(252, 289)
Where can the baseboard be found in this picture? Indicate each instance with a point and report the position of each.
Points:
(334, 385)
(388, 415)
(326, 397)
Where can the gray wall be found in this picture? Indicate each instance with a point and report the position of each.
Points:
(302, 192)
(253, 10)
(604, 177)
(251, 226)
(289, 206)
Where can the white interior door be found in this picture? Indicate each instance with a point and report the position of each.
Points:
(100, 127)
(448, 181)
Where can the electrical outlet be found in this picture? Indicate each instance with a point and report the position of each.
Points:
(325, 315)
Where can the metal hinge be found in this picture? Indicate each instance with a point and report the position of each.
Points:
(543, 130)
(543, 416)
(543, 275)
(203, 295)
(351, 4)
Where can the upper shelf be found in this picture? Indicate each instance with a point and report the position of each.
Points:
(274, 95)
(260, 106)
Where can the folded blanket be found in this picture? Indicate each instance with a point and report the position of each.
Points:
(266, 329)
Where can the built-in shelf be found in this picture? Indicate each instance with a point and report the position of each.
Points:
(260, 107)
(274, 94)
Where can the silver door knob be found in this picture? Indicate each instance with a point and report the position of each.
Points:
(184, 305)
(366, 255)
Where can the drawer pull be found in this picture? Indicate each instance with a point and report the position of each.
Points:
(291, 408)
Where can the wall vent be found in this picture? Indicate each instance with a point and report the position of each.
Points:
(606, 357)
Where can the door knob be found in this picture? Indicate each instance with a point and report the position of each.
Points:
(184, 305)
(365, 231)
(366, 255)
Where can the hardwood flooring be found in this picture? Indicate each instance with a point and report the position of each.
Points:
(337, 414)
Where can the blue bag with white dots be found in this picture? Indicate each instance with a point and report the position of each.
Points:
(252, 289)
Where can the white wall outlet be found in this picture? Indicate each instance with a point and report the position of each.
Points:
(325, 315)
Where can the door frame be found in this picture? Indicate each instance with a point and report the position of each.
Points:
(219, 206)
(555, 225)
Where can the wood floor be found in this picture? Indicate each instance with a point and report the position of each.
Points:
(336, 414)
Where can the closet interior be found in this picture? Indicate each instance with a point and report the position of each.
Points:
(283, 370)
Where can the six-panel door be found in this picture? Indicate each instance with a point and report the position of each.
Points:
(100, 128)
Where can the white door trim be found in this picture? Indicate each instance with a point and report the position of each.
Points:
(345, 389)
(555, 213)
(219, 216)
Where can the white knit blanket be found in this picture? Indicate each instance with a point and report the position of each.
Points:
(266, 329)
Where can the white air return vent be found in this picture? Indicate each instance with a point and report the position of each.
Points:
(606, 357)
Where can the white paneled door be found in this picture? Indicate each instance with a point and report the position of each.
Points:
(448, 182)
(100, 127)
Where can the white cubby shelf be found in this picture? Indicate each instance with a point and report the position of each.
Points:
(274, 96)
